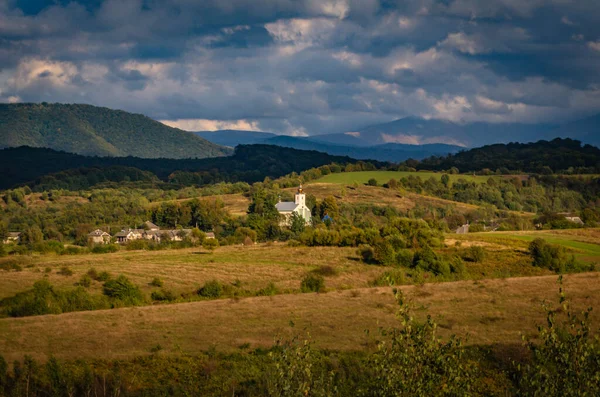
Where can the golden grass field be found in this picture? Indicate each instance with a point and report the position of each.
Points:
(485, 312)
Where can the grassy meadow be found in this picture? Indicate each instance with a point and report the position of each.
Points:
(384, 176)
(486, 312)
(499, 299)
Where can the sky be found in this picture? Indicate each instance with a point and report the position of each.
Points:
(306, 67)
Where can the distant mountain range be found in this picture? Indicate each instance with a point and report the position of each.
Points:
(417, 138)
(357, 149)
(97, 131)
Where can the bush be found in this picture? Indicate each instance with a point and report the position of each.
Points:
(210, 244)
(372, 182)
(163, 295)
(105, 249)
(475, 253)
(93, 273)
(384, 253)
(551, 256)
(104, 276)
(211, 289)
(366, 253)
(269, 290)
(85, 281)
(156, 282)
(566, 361)
(65, 271)
(44, 299)
(123, 290)
(312, 283)
(136, 245)
(413, 360)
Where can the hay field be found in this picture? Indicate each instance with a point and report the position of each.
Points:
(485, 312)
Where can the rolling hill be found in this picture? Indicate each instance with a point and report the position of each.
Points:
(250, 163)
(539, 157)
(96, 131)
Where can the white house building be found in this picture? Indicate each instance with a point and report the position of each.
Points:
(298, 206)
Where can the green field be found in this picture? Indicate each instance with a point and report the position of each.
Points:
(384, 176)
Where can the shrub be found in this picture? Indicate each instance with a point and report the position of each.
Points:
(413, 360)
(384, 253)
(105, 249)
(475, 254)
(326, 271)
(104, 276)
(65, 271)
(404, 257)
(366, 253)
(163, 295)
(566, 361)
(551, 256)
(294, 371)
(269, 290)
(392, 277)
(85, 281)
(11, 264)
(211, 289)
(44, 299)
(210, 244)
(156, 282)
(312, 283)
(123, 290)
(372, 182)
(93, 273)
(135, 245)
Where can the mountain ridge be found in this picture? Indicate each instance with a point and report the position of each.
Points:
(98, 131)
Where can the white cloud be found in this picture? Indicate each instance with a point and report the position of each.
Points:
(212, 125)
(594, 45)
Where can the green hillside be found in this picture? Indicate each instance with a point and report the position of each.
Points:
(97, 131)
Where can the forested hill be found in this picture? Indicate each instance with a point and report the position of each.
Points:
(558, 155)
(98, 131)
(250, 163)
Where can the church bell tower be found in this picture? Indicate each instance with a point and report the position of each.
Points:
(300, 198)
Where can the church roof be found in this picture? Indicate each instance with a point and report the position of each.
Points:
(285, 206)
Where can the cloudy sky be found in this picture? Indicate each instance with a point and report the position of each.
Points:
(306, 66)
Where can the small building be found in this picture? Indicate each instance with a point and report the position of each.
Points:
(298, 206)
(12, 238)
(464, 229)
(574, 219)
(99, 237)
(178, 234)
(127, 235)
(209, 235)
(151, 226)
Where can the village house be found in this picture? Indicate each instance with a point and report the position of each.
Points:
(298, 206)
(99, 237)
(127, 235)
(12, 238)
(464, 229)
(574, 219)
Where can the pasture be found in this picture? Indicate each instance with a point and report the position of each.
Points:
(489, 312)
(495, 302)
(382, 177)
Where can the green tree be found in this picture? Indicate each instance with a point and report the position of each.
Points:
(297, 223)
(210, 244)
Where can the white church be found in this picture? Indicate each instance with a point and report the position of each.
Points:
(298, 206)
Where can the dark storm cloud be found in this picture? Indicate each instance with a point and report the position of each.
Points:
(307, 66)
